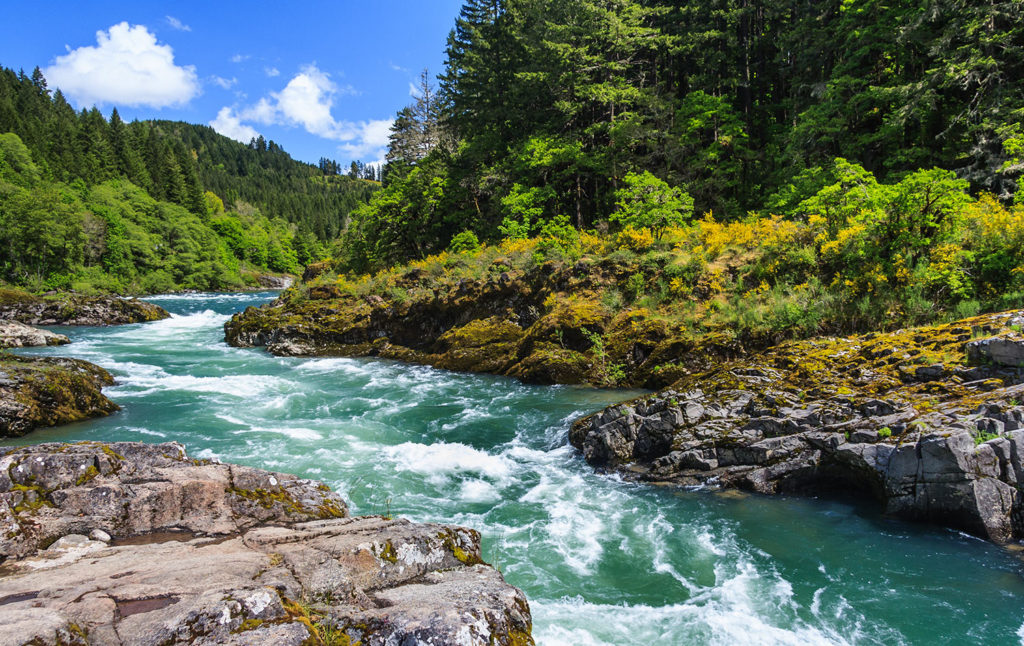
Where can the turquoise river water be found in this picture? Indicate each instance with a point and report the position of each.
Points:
(602, 561)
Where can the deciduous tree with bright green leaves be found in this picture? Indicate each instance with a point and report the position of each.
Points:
(646, 202)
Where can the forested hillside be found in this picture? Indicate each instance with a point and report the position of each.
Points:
(546, 108)
(94, 204)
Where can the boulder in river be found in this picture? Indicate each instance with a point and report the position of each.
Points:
(130, 543)
(18, 335)
(48, 391)
(73, 309)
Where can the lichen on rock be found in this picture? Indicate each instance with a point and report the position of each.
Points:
(154, 547)
(913, 418)
(47, 391)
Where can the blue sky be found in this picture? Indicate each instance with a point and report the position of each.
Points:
(323, 79)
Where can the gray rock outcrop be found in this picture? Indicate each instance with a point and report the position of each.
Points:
(81, 310)
(18, 335)
(928, 421)
(934, 470)
(138, 544)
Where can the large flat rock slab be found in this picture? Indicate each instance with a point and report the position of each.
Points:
(138, 544)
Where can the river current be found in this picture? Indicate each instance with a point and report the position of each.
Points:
(602, 561)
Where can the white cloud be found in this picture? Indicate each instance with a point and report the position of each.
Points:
(307, 101)
(240, 58)
(127, 67)
(414, 90)
(223, 82)
(177, 24)
(272, 71)
(370, 142)
(263, 112)
(228, 124)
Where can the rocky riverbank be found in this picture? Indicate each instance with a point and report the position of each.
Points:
(47, 391)
(131, 543)
(543, 324)
(72, 309)
(18, 335)
(928, 421)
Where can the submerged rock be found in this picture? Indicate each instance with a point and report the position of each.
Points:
(47, 391)
(18, 335)
(897, 417)
(198, 552)
(71, 309)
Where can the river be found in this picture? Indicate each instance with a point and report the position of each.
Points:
(602, 561)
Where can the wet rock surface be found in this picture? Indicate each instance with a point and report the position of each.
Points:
(129, 543)
(80, 310)
(18, 335)
(917, 419)
(47, 391)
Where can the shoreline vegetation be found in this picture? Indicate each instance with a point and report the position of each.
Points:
(639, 308)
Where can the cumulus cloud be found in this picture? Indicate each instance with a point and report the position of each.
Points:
(307, 101)
(177, 24)
(127, 67)
(272, 71)
(229, 124)
(240, 58)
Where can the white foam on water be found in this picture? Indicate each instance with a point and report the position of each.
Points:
(479, 491)
(577, 519)
(176, 326)
(335, 366)
(469, 413)
(206, 454)
(442, 460)
(216, 297)
(578, 623)
(242, 386)
(1020, 634)
(146, 431)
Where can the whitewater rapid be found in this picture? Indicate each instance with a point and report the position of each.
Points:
(602, 561)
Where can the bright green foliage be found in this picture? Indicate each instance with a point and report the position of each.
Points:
(559, 240)
(524, 210)
(115, 236)
(463, 242)
(646, 202)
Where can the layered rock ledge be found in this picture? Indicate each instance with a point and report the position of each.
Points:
(130, 543)
(928, 421)
(71, 309)
(47, 391)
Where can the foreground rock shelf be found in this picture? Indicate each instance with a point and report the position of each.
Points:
(928, 421)
(131, 543)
